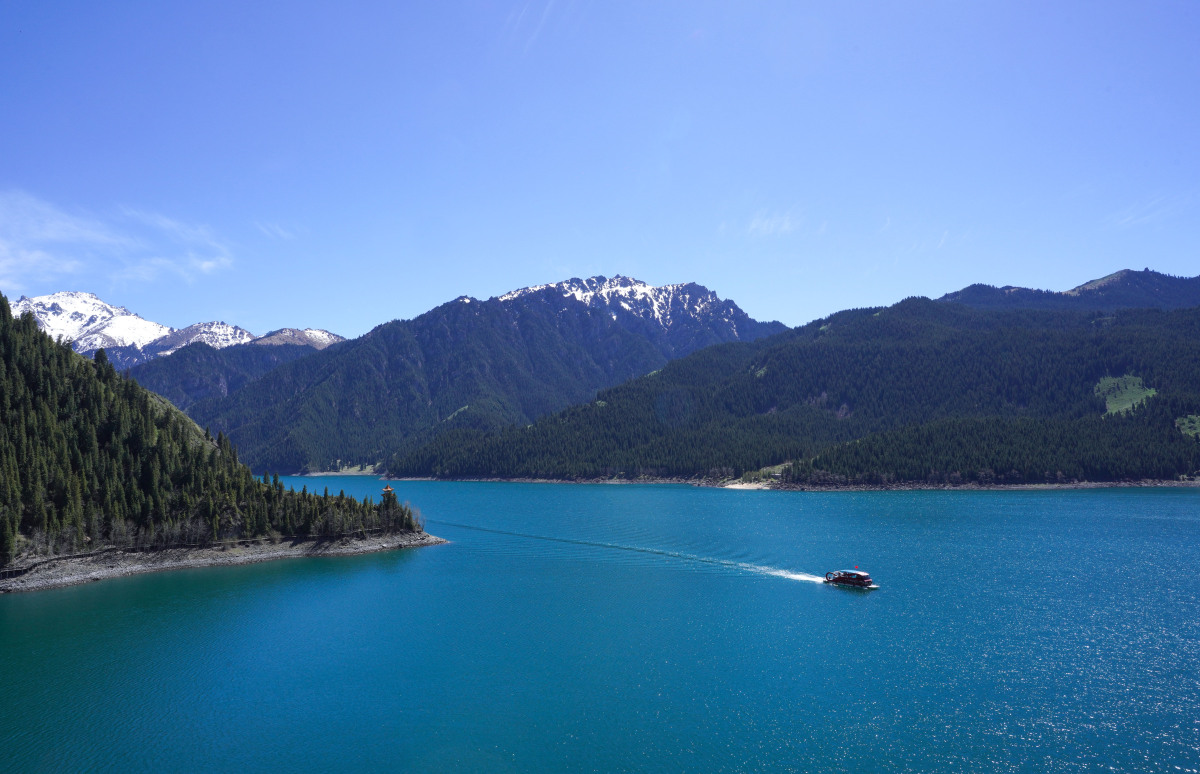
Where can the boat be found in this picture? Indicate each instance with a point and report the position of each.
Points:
(856, 579)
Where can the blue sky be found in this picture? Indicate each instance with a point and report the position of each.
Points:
(338, 165)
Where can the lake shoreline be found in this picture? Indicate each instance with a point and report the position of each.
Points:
(51, 573)
(917, 487)
(777, 486)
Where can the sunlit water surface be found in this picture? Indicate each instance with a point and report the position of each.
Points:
(643, 628)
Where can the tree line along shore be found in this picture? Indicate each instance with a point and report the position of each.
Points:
(91, 460)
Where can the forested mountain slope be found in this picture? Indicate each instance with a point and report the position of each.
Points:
(1122, 290)
(468, 364)
(88, 458)
(198, 371)
(919, 364)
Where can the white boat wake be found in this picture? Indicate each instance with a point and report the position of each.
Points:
(756, 569)
(796, 576)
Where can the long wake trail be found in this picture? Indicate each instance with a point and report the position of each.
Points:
(757, 569)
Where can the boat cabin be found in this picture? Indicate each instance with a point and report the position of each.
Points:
(856, 578)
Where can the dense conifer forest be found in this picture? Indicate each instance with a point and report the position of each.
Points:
(466, 364)
(89, 458)
(919, 392)
(446, 391)
(198, 372)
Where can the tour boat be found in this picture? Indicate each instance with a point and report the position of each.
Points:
(856, 579)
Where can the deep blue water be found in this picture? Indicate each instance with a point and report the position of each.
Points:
(643, 628)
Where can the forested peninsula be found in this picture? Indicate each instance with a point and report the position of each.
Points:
(91, 463)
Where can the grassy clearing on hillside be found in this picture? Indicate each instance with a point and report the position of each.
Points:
(765, 474)
(1189, 425)
(1121, 393)
(348, 470)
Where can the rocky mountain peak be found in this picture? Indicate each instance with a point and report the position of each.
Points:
(91, 324)
(660, 303)
(316, 338)
(682, 317)
(217, 335)
(88, 321)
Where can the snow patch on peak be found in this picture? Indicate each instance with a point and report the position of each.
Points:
(659, 302)
(678, 318)
(318, 338)
(215, 334)
(322, 338)
(509, 296)
(89, 322)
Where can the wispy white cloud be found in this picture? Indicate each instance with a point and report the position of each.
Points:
(1154, 210)
(274, 230)
(20, 264)
(948, 238)
(40, 241)
(541, 23)
(26, 218)
(190, 249)
(527, 22)
(32, 235)
(773, 224)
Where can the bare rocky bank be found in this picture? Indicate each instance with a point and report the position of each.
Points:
(117, 563)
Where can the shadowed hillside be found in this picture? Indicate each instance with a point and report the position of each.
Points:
(919, 366)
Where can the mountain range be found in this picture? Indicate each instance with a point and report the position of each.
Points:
(447, 392)
(127, 339)
(467, 363)
(920, 392)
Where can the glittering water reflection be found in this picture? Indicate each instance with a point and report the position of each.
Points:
(648, 628)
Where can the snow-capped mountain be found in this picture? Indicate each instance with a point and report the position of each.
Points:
(89, 322)
(683, 317)
(217, 335)
(665, 304)
(128, 339)
(467, 364)
(316, 338)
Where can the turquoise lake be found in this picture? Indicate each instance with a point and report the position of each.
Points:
(643, 628)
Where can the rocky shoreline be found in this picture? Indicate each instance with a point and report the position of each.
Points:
(905, 486)
(117, 563)
(970, 487)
